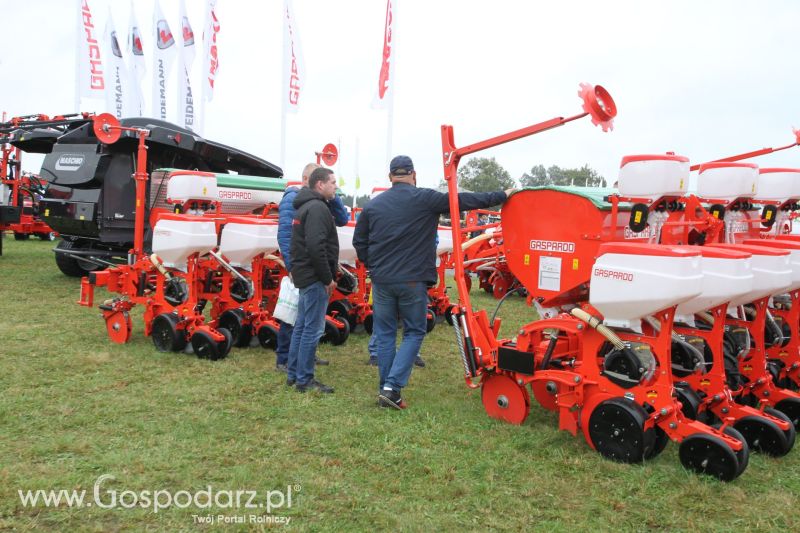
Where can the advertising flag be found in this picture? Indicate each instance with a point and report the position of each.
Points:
(294, 75)
(385, 92)
(186, 109)
(90, 69)
(117, 87)
(135, 65)
(211, 57)
(163, 56)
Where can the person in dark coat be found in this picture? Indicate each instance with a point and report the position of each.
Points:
(285, 217)
(315, 260)
(395, 237)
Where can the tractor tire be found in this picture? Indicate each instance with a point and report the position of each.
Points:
(69, 266)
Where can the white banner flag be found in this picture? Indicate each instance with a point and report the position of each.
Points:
(90, 72)
(163, 57)
(385, 91)
(186, 109)
(294, 75)
(211, 59)
(118, 94)
(136, 65)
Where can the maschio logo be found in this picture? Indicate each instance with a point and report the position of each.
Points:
(69, 162)
(553, 246)
(613, 274)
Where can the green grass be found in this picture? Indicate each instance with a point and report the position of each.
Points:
(74, 406)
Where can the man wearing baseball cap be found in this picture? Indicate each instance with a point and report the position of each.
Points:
(395, 237)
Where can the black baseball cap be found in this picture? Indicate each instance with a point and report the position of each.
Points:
(401, 165)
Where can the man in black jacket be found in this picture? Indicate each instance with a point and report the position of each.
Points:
(395, 237)
(315, 259)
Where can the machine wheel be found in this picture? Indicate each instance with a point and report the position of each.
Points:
(21, 236)
(430, 323)
(660, 442)
(233, 321)
(743, 455)
(690, 401)
(616, 429)
(504, 399)
(165, 334)
(791, 408)
(707, 454)
(791, 433)
(205, 347)
(49, 236)
(69, 266)
(333, 333)
(368, 324)
(268, 337)
(342, 310)
(763, 435)
(119, 326)
(448, 314)
(226, 345)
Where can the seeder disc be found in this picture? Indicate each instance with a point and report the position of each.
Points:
(504, 399)
(119, 326)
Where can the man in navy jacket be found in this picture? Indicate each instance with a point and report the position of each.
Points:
(395, 237)
(286, 214)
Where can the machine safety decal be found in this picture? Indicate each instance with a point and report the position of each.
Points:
(550, 273)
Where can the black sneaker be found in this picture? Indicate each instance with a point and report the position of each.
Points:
(321, 362)
(373, 360)
(314, 385)
(281, 367)
(289, 382)
(391, 398)
(419, 362)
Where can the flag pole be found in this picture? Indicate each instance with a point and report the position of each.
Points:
(78, 30)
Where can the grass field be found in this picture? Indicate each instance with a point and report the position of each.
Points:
(74, 406)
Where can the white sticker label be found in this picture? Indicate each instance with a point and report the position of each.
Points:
(550, 273)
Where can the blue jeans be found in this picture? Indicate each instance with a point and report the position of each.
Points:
(308, 329)
(284, 343)
(372, 347)
(410, 301)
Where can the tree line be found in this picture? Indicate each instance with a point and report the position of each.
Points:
(484, 174)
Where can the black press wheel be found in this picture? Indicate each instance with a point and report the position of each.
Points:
(616, 428)
(689, 400)
(204, 346)
(336, 331)
(743, 455)
(763, 435)
(430, 320)
(661, 441)
(225, 346)
(791, 433)
(707, 454)
(268, 336)
(21, 236)
(342, 310)
(791, 408)
(448, 314)
(166, 335)
(233, 321)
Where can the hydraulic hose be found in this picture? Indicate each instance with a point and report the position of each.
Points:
(475, 240)
(603, 330)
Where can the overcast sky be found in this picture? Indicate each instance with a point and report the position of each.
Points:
(705, 79)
